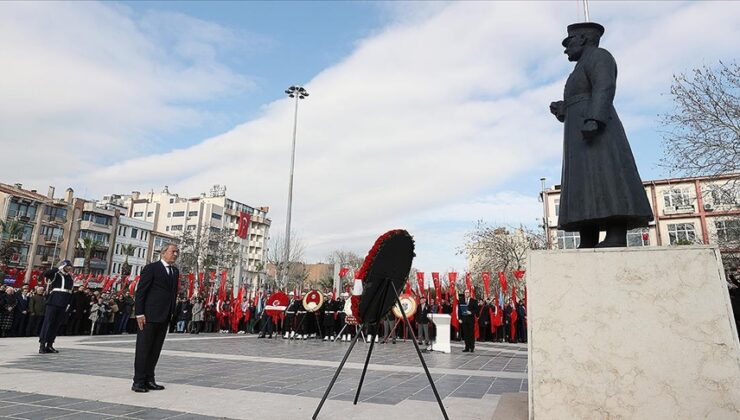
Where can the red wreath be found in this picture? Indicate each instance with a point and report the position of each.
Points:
(362, 272)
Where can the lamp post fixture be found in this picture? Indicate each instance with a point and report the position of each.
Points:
(297, 92)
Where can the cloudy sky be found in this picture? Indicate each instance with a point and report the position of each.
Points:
(424, 116)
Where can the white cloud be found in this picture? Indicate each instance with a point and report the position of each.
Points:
(436, 110)
(84, 84)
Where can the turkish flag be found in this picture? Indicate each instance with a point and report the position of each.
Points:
(420, 282)
(242, 230)
(502, 280)
(454, 321)
(191, 284)
(519, 274)
(469, 285)
(343, 272)
(487, 283)
(452, 278)
(437, 288)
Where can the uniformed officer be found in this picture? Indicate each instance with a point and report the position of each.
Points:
(57, 301)
(289, 319)
(329, 309)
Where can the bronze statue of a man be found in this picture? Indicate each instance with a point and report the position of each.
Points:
(601, 188)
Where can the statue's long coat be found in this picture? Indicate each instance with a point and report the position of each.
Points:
(600, 182)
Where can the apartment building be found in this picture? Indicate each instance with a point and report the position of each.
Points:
(697, 210)
(131, 246)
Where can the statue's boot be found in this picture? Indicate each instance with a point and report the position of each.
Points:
(589, 237)
(616, 237)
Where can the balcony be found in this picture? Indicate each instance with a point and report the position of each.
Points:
(54, 219)
(88, 225)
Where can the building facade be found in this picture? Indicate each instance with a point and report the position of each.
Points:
(699, 210)
(45, 224)
(131, 246)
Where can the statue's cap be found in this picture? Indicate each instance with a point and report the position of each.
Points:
(581, 27)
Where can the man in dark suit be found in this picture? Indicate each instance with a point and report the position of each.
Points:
(466, 310)
(154, 306)
(422, 322)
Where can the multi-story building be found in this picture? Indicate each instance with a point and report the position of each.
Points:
(45, 224)
(699, 210)
(98, 223)
(213, 216)
(131, 246)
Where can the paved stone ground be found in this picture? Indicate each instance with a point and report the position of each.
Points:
(269, 378)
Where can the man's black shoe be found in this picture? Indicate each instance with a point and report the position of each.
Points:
(50, 349)
(466, 351)
(153, 386)
(42, 349)
(139, 388)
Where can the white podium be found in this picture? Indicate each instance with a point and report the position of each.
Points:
(442, 326)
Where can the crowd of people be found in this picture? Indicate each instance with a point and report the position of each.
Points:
(93, 312)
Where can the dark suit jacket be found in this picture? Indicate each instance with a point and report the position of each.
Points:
(421, 314)
(156, 293)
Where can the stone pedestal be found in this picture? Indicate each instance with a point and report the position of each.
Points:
(442, 326)
(636, 333)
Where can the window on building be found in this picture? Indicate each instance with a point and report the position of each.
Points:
(178, 214)
(638, 237)
(677, 197)
(150, 214)
(215, 229)
(215, 216)
(51, 232)
(728, 231)
(725, 195)
(134, 233)
(169, 214)
(47, 252)
(138, 214)
(21, 210)
(191, 227)
(568, 240)
(167, 228)
(681, 233)
(176, 227)
(100, 219)
(192, 213)
(56, 212)
(172, 200)
(557, 207)
(95, 236)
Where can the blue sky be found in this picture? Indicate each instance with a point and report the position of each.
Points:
(422, 115)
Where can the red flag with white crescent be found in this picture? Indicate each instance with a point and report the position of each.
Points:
(420, 281)
(502, 280)
(487, 283)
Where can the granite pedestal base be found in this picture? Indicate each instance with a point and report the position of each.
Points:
(631, 334)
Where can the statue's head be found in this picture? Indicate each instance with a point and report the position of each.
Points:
(581, 36)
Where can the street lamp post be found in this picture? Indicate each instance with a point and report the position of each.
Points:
(297, 92)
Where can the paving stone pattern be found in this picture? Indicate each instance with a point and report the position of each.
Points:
(21, 405)
(382, 387)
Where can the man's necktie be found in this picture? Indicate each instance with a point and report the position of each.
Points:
(169, 271)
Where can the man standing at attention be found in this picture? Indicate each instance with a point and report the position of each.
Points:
(154, 306)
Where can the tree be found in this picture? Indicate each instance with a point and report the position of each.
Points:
(88, 247)
(702, 134)
(128, 250)
(499, 249)
(345, 259)
(10, 230)
(287, 273)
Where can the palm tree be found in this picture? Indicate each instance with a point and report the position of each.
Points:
(10, 230)
(127, 250)
(88, 247)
